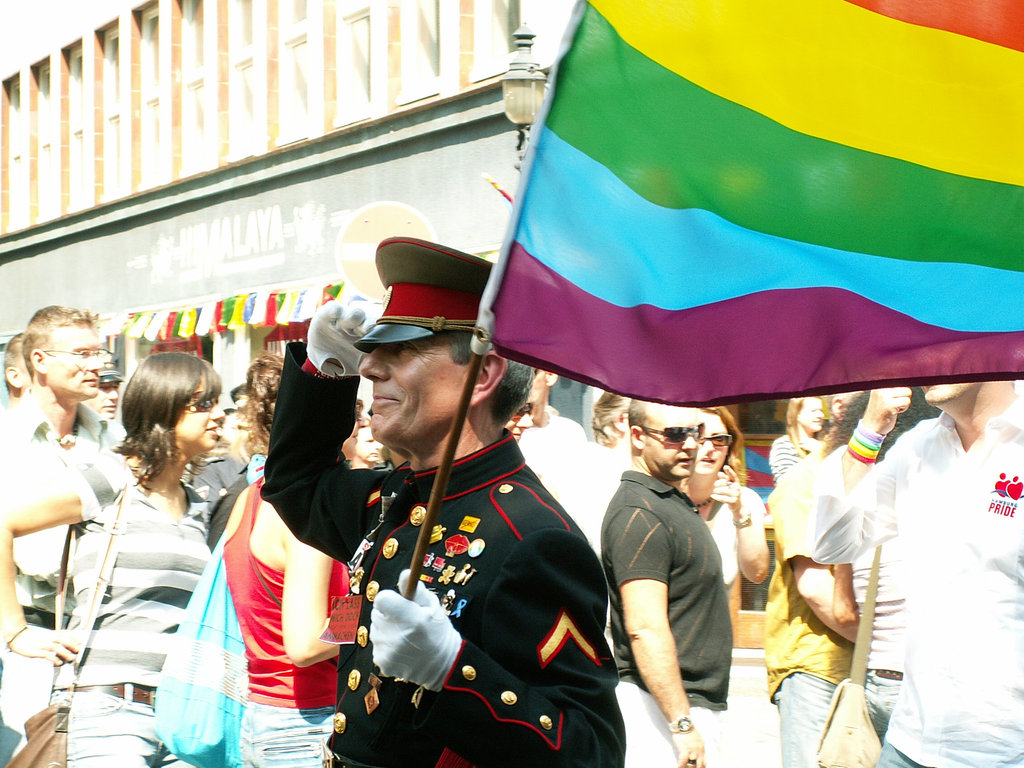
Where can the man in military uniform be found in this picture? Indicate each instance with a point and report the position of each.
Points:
(499, 660)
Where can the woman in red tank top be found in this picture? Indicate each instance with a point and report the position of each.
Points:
(282, 590)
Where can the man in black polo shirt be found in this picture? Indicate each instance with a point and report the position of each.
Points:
(669, 609)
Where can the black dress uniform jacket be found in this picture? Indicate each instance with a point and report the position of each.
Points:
(534, 682)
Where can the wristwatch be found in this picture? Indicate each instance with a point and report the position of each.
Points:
(681, 725)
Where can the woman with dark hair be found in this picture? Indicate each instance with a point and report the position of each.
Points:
(282, 590)
(171, 418)
(717, 487)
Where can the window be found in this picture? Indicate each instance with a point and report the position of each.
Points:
(494, 22)
(149, 71)
(47, 186)
(294, 70)
(17, 160)
(78, 196)
(247, 135)
(428, 66)
(196, 148)
(362, 63)
(112, 186)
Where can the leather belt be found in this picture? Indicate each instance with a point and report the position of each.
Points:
(888, 674)
(332, 760)
(141, 694)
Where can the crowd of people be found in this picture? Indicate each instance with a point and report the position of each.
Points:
(567, 603)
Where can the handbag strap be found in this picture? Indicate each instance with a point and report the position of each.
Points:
(62, 581)
(858, 668)
(255, 499)
(105, 567)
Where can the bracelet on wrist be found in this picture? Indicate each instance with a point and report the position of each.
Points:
(744, 521)
(12, 638)
(865, 445)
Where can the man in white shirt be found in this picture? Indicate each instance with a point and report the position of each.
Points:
(51, 429)
(951, 488)
(546, 439)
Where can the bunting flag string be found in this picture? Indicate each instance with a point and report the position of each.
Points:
(260, 309)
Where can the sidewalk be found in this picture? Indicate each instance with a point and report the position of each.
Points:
(750, 727)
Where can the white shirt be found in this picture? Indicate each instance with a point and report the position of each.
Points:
(889, 627)
(549, 447)
(725, 533)
(569, 466)
(30, 457)
(585, 485)
(962, 700)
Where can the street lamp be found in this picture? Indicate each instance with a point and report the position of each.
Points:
(522, 87)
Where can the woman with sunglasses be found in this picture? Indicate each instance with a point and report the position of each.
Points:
(716, 487)
(171, 417)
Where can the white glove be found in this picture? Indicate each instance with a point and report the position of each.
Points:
(413, 639)
(332, 333)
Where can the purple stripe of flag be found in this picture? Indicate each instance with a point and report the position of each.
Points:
(654, 353)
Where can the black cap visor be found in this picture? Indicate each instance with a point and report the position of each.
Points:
(391, 333)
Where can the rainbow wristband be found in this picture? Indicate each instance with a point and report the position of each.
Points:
(865, 444)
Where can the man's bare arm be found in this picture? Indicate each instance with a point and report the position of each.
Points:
(816, 585)
(645, 610)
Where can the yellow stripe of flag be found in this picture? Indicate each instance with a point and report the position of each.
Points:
(833, 70)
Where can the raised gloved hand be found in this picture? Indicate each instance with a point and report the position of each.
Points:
(332, 332)
(100, 481)
(413, 639)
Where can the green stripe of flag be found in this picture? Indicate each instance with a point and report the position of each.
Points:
(681, 147)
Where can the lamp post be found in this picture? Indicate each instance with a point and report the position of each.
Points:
(522, 87)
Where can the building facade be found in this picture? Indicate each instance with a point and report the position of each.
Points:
(198, 172)
(201, 173)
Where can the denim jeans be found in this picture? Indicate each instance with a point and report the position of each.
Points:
(279, 737)
(893, 758)
(803, 701)
(107, 731)
(881, 694)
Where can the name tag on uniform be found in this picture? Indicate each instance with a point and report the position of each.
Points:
(343, 621)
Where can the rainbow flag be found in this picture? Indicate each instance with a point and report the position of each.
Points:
(732, 200)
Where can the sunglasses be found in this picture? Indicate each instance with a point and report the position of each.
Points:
(677, 435)
(200, 406)
(719, 441)
(524, 411)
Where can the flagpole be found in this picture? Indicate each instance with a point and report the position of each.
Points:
(480, 345)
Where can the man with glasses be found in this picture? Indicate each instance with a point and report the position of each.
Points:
(51, 430)
(670, 613)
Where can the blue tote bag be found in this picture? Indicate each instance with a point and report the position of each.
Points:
(202, 694)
